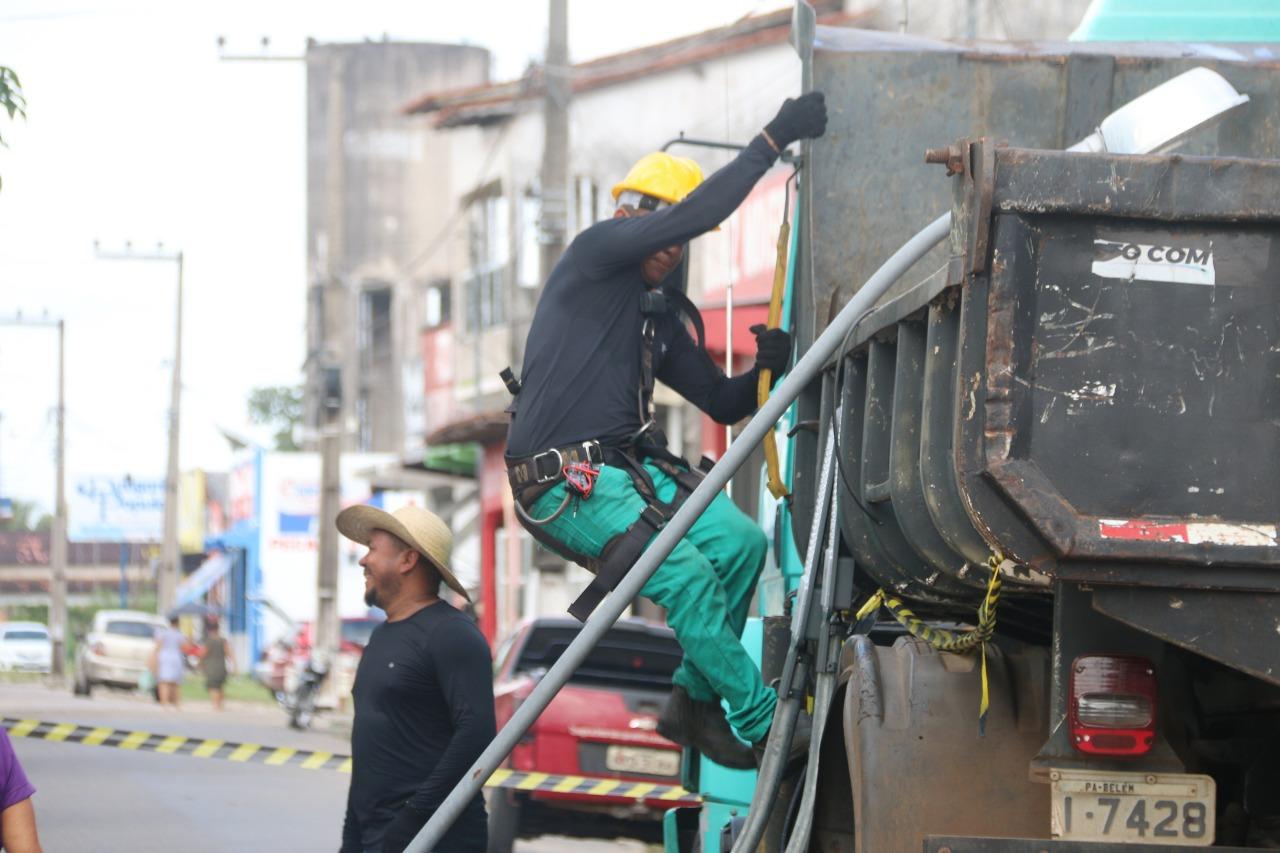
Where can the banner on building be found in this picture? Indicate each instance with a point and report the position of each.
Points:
(115, 508)
(191, 512)
(289, 518)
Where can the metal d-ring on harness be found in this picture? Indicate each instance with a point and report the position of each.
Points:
(523, 514)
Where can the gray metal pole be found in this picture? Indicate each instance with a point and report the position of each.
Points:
(58, 538)
(170, 559)
(58, 555)
(336, 327)
(554, 174)
(327, 631)
(809, 365)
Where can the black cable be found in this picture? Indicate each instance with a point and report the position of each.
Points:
(835, 427)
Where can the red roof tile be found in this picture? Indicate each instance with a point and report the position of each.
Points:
(494, 101)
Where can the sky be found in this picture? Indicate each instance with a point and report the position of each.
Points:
(137, 134)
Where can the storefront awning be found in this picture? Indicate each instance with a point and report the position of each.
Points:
(202, 579)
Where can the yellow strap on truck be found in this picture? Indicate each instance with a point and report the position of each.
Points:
(776, 487)
(951, 641)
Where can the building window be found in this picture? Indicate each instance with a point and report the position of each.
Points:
(586, 202)
(485, 287)
(374, 324)
(486, 297)
(364, 434)
(490, 229)
(437, 304)
(530, 268)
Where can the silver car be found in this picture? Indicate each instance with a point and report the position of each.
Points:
(117, 651)
(25, 647)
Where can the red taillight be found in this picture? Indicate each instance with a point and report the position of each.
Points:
(1112, 704)
(99, 649)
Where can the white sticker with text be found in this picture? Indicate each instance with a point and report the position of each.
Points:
(1130, 261)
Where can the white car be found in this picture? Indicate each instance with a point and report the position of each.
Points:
(25, 646)
(117, 651)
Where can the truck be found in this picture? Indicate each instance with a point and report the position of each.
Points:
(1029, 555)
(1040, 479)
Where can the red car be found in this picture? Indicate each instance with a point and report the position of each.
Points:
(601, 725)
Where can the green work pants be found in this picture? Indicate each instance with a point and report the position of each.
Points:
(706, 585)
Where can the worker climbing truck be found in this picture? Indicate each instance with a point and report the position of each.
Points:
(1038, 485)
(1032, 441)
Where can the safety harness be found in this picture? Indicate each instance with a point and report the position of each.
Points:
(578, 465)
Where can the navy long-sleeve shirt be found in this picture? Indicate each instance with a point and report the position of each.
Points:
(581, 372)
(423, 714)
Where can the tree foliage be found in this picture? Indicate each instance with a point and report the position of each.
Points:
(25, 520)
(278, 407)
(11, 98)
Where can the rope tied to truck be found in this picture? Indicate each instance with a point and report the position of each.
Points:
(943, 640)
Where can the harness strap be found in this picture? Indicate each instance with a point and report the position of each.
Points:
(685, 306)
(622, 551)
(648, 329)
(616, 559)
(547, 468)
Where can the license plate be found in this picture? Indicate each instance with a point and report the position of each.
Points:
(650, 762)
(1133, 808)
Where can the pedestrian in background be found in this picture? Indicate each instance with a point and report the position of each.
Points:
(423, 689)
(169, 662)
(17, 815)
(217, 662)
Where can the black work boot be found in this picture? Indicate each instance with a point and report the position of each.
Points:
(799, 741)
(702, 726)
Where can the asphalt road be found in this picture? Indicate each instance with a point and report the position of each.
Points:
(95, 798)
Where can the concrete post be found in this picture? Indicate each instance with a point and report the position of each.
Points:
(171, 559)
(58, 555)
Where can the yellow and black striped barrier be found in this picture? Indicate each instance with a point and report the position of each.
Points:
(196, 747)
(283, 756)
(590, 786)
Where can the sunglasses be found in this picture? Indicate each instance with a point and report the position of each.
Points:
(640, 201)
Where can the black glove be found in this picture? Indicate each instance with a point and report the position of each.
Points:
(773, 348)
(804, 117)
(403, 828)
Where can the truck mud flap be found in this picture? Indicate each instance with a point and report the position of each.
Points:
(915, 760)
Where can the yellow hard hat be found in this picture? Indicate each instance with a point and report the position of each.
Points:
(661, 176)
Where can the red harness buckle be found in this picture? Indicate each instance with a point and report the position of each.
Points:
(581, 477)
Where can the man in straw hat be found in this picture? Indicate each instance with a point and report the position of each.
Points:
(423, 690)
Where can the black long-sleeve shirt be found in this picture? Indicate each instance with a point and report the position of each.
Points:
(423, 714)
(581, 372)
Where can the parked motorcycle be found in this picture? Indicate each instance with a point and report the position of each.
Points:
(301, 701)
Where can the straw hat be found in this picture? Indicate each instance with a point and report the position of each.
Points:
(422, 531)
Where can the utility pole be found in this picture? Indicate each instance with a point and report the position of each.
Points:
(58, 548)
(334, 352)
(555, 147)
(58, 543)
(170, 559)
